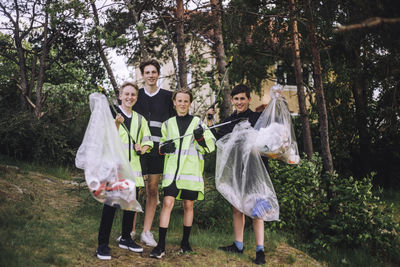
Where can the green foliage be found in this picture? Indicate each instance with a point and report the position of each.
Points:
(54, 138)
(301, 193)
(332, 211)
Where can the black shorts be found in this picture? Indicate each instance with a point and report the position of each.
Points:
(152, 164)
(173, 191)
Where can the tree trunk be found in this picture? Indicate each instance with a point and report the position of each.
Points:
(216, 10)
(100, 49)
(360, 100)
(170, 47)
(307, 140)
(180, 44)
(319, 91)
(23, 84)
(140, 30)
(42, 68)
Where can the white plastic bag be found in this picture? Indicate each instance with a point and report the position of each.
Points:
(241, 176)
(276, 138)
(108, 173)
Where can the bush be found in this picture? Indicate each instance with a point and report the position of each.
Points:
(333, 211)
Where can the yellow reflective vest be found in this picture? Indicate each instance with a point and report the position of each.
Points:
(186, 164)
(140, 133)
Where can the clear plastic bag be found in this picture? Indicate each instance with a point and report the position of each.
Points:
(108, 173)
(276, 138)
(241, 176)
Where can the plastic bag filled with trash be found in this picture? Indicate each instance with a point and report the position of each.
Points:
(276, 138)
(241, 176)
(108, 174)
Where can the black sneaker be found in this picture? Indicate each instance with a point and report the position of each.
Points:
(157, 253)
(260, 257)
(232, 248)
(130, 244)
(103, 252)
(186, 249)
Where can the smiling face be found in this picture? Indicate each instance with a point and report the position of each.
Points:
(128, 96)
(182, 103)
(150, 75)
(241, 102)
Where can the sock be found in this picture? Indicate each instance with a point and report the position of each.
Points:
(162, 233)
(259, 247)
(186, 234)
(127, 223)
(239, 245)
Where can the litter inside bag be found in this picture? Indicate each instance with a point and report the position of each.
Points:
(276, 138)
(108, 173)
(241, 176)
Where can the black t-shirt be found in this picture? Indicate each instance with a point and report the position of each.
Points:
(155, 109)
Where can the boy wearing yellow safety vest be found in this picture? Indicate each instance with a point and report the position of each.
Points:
(136, 142)
(183, 167)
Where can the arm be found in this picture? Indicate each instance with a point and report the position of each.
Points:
(145, 143)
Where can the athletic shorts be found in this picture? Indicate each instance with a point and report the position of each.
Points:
(173, 191)
(152, 164)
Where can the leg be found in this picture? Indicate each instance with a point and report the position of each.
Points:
(168, 204)
(188, 212)
(187, 225)
(258, 226)
(138, 194)
(159, 251)
(238, 224)
(126, 241)
(151, 205)
(127, 221)
(238, 229)
(134, 223)
(107, 218)
(151, 200)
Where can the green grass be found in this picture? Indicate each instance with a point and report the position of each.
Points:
(58, 226)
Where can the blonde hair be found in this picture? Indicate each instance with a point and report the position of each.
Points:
(183, 90)
(125, 84)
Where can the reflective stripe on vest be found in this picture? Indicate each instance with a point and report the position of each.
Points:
(137, 174)
(155, 139)
(192, 178)
(192, 151)
(146, 138)
(155, 124)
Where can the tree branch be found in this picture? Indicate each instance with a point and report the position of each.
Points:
(368, 23)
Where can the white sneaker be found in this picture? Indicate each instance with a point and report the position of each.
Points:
(148, 239)
(133, 234)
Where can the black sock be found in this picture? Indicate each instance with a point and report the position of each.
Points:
(127, 223)
(162, 233)
(107, 218)
(186, 234)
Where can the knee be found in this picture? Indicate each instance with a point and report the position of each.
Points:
(168, 203)
(152, 190)
(187, 205)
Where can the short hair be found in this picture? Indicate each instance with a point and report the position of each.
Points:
(125, 84)
(241, 88)
(183, 90)
(152, 62)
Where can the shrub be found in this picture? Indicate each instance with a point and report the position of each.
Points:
(350, 215)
